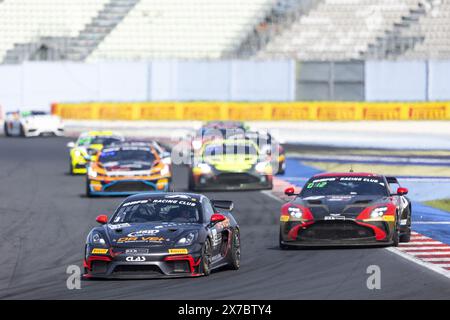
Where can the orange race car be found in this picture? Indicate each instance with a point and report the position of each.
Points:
(127, 168)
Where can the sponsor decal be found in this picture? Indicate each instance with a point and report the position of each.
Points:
(173, 201)
(177, 196)
(132, 203)
(335, 216)
(284, 218)
(143, 233)
(136, 251)
(340, 198)
(118, 226)
(140, 239)
(99, 251)
(135, 259)
(178, 251)
(389, 218)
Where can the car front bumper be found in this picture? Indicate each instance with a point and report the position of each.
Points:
(335, 233)
(125, 187)
(232, 181)
(157, 264)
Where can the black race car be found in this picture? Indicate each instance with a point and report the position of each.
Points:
(154, 235)
(346, 209)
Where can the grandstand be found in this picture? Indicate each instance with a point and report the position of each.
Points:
(307, 30)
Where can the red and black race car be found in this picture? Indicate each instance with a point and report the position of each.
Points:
(346, 209)
(163, 235)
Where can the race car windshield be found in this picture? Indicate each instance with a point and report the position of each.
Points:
(364, 186)
(105, 141)
(159, 210)
(138, 155)
(34, 113)
(230, 149)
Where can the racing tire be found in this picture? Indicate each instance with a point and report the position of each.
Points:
(88, 189)
(235, 251)
(191, 183)
(406, 237)
(281, 168)
(22, 131)
(71, 168)
(6, 130)
(281, 245)
(205, 264)
(396, 235)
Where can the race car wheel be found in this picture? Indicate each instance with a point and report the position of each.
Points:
(282, 246)
(406, 237)
(88, 189)
(205, 265)
(6, 131)
(396, 235)
(235, 251)
(281, 168)
(22, 131)
(191, 184)
(71, 168)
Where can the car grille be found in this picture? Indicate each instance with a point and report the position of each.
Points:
(236, 178)
(137, 269)
(129, 186)
(336, 230)
(99, 267)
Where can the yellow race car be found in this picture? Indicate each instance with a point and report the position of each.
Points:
(230, 165)
(88, 145)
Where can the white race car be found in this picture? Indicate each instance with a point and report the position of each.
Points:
(32, 124)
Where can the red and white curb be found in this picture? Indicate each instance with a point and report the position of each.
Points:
(427, 252)
(422, 250)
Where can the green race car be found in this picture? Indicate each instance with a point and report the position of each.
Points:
(230, 165)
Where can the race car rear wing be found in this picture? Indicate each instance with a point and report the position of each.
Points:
(392, 180)
(223, 204)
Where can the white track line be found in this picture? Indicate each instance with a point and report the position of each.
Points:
(436, 259)
(431, 222)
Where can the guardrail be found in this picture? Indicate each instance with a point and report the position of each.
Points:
(326, 111)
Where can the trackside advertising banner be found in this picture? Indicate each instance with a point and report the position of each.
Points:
(271, 111)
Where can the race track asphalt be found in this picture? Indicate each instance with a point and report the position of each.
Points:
(45, 217)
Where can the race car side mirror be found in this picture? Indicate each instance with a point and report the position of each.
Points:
(102, 219)
(290, 191)
(217, 217)
(71, 144)
(402, 191)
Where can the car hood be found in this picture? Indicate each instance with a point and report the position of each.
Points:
(147, 234)
(232, 163)
(127, 168)
(349, 206)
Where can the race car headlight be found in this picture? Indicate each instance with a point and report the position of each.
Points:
(96, 238)
(378, 212)
(196, 144)
(295, 212)
(204, 168)
(77, 153)
(187, 239)
(165, 170)
(262, 167)
(92, 173)
(167, 161)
